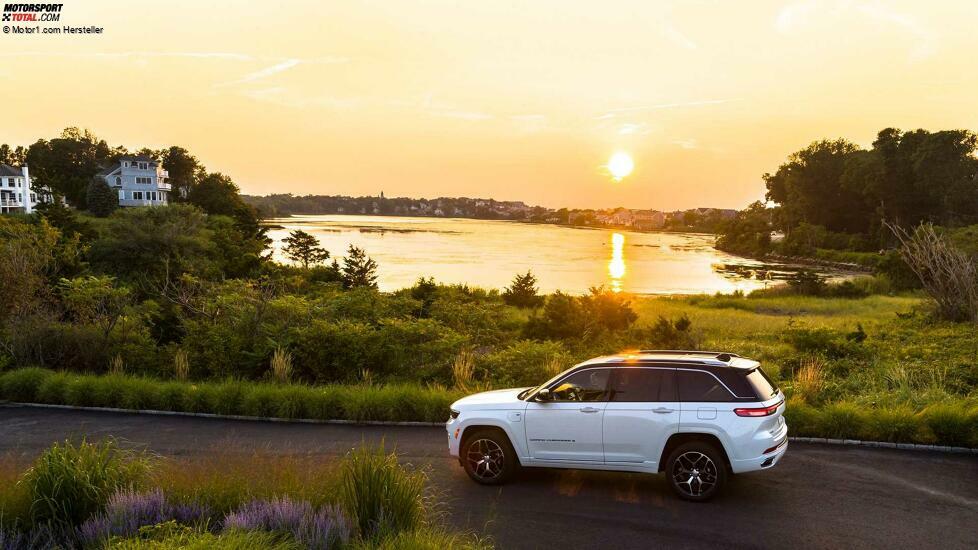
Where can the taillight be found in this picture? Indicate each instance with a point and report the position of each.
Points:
(765, 411)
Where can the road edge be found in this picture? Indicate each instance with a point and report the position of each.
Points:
(822, 440)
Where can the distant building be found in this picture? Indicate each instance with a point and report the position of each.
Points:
(649, 219)
(16, 194)
(139, 180)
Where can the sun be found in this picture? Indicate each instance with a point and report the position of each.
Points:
(620, 165)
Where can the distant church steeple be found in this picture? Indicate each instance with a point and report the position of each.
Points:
(381, 194)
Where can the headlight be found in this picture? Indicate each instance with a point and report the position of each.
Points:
(453, 414)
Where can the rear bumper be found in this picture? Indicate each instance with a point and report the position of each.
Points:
(763, 462)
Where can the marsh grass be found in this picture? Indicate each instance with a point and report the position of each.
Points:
(181, 365)
(810, 379)
(69, 482)
(281, 365)
(225, 481)
(381, 497)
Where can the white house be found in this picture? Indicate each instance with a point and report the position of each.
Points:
(16, 194)
(139, 180)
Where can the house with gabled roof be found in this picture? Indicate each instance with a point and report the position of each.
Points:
(140, 180)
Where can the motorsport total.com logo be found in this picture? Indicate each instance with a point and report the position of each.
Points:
(28, 13)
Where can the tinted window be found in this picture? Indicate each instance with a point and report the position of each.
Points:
(586, 385)
(701, 386)
(643, 385)
(763, 387)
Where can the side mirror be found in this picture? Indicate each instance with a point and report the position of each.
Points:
(544, 395)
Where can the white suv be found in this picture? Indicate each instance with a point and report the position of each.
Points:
(696, 416)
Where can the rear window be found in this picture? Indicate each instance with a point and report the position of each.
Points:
(763, 387)
(696, 386)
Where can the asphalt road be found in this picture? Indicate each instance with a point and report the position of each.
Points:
(818, 496)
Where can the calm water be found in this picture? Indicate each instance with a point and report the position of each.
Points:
(488, 253)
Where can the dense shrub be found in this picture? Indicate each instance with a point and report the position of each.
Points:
(524, 363)
(825, 341)
(523, 291)
(675, 334)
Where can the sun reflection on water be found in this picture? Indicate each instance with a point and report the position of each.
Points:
(616, 267)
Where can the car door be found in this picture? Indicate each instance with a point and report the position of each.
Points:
(642, 412)
(568, 426)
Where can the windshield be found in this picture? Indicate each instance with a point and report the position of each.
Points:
(523, 394)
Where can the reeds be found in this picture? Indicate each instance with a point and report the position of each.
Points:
(281, 364)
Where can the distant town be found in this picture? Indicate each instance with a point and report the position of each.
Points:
(704, 220)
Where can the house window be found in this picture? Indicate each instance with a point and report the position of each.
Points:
(122, 195)
(118, 180)
(33, 197)
(143, 166)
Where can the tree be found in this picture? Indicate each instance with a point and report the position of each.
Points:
(523, 291)
(67, 163)
(12, 156)
(184, 169)
(304, 248)
(749, 233)
(101, 199)
(359, 270)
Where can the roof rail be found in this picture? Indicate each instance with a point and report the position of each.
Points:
(718, 354)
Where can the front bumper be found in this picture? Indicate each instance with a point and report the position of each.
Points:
(454, 428)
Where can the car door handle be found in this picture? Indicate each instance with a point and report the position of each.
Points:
(662, 410)
(589, 410)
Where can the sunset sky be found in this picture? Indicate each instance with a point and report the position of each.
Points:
(509, 100)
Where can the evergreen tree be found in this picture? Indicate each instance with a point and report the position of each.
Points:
(101, 199)
(359, 270)
(304, 248)
(523, 291)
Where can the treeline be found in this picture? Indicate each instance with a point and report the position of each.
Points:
(837, 195)
(286, 204)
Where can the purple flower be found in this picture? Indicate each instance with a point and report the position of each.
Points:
(127, 511)
(314, 529)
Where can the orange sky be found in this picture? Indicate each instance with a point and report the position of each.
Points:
(510, 100)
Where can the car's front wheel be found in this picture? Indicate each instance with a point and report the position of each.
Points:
(488, 457)
(696, 471)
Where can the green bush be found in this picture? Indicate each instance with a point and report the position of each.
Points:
(68, 482)
(841, 421)
(22, 384)
(952, 424)
(893, 424)
(380, 496)
(524, 363)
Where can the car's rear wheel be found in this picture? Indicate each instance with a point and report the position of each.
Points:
(696, 471)
(488, 457)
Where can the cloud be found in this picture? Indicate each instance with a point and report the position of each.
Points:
(630, 128)
(659, 106)
(687, 143)
(795, 16)
(264, 73)
(194, 55)
(676, 36)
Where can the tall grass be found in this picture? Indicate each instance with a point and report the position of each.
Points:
(810, 379)
(281, 364)
(181, 365)
(69, 482)
(380, 496)
(117, 365)
(387, 402)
